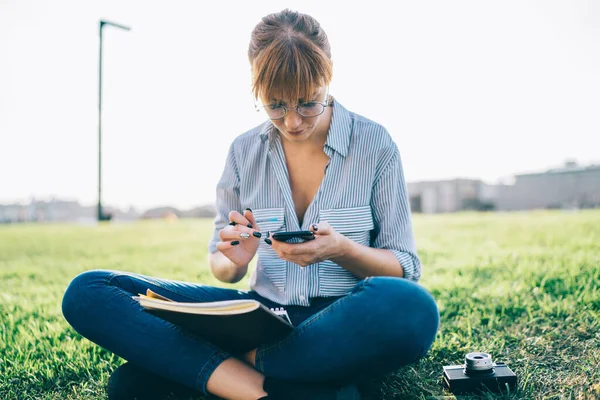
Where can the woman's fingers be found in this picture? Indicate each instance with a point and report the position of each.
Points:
(222, 246)
(250, 217)
(238, 233)
(235, 218)
(240, 228)
(321, 228)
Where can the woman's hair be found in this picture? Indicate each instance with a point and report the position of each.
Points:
(290, 56)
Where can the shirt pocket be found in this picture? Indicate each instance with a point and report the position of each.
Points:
(272, 218)
(269, 265)
(355, 223)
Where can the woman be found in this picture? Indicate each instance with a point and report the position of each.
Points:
(350, 292)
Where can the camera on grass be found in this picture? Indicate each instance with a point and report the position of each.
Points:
(479, 373)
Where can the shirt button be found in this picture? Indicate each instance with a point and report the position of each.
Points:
(302, 297)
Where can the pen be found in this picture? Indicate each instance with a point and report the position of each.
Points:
(267, 220)
(275, 219)
(256, 234)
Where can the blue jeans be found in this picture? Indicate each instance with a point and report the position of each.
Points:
(382, 324)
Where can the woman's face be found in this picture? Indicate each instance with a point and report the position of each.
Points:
(295, 127)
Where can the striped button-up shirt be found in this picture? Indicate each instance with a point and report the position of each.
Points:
(363, 196)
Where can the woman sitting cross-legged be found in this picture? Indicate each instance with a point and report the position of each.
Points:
(351, 293)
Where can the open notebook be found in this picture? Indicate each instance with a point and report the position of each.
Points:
(234, 325)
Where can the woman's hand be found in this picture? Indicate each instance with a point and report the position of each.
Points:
(327, 245)
(240, 239)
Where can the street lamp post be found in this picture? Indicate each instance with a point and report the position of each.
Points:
(101, 215)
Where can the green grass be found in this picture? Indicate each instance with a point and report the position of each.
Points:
(522, 286)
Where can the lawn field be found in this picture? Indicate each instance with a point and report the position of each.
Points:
(524, 287)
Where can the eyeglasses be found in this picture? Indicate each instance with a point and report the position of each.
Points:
(307, 109)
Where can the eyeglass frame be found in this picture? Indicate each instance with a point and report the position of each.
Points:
(325, 104)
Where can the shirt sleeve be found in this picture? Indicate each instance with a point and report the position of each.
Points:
(228, 197)
(392, 217)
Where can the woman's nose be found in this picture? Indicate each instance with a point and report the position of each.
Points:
(292, 119)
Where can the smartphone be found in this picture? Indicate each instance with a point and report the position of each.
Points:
(287, 236)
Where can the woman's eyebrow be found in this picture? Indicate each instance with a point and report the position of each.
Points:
(300, 100)
(314, 96)
(274, 100)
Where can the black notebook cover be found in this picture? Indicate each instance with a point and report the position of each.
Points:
(238, 333)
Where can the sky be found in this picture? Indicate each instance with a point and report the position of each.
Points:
(465, 88)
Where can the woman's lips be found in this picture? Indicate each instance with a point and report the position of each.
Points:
(295, 132)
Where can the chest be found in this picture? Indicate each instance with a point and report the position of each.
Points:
(306, 175)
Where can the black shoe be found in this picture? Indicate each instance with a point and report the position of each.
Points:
(283, 390)
(130, 382)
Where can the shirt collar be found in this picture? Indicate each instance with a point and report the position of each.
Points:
(340, 129)
(338, 137)
(266, 132)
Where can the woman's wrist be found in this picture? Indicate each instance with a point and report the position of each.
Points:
(341, 249)
(226, 270)
(234, 273)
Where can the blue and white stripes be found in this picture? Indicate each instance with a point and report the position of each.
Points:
(363, 196)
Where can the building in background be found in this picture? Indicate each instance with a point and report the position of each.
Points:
(206, 211)
(450, 195)
(56, 210)
(40, 211)
(569, 187)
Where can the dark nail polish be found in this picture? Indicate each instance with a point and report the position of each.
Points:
(268, 241)
(315, 227)
(235, 242)
(249, 209)
(257, 234)
(250, 226)
(232, 223)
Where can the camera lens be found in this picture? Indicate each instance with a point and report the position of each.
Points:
(478, 363)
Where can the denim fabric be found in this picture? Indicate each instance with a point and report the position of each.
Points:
(382, 324)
